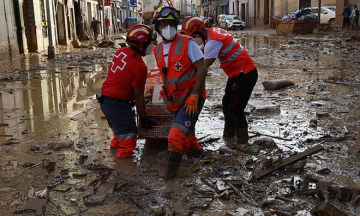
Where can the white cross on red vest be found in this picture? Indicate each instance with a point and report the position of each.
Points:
(118, 64)
(178, 66)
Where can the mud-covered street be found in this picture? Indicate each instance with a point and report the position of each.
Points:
(54, 139)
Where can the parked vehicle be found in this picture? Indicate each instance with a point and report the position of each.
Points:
(327, 16)
(230, 21)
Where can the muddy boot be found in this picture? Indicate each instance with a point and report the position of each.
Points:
(173, 165)
(242, 136)
(229, 130)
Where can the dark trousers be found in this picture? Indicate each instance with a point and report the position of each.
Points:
(346, 22)
(237, 94)
(120, 117)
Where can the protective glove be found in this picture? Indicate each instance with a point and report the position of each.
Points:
(191, 105)
(147, 123)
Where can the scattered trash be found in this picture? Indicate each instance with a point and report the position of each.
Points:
(287, 161)
(11, 142)
(57, 145)
(277, 84)
(26, 131)
(10, 165)
(49, 165)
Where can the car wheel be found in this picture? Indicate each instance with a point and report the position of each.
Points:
(332, 23)
(241, 28)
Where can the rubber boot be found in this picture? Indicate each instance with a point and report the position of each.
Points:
(115, 143)
(242, 135)
(229, 130)
(173, 165)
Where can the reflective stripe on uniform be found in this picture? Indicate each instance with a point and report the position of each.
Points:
(175, 100)
(183, 78)
(178, 46)
(158, 51)
(233, 56)
(227, 49)
(126, 136)
(183, 129)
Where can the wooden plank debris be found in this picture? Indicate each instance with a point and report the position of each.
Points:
(287, 161)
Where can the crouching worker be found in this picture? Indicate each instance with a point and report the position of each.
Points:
(125, 84)
(238, 66)
(183, 71)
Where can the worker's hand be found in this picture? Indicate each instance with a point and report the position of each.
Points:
(147, 123)
(191, 105)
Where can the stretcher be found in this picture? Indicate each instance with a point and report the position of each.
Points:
(156, 109)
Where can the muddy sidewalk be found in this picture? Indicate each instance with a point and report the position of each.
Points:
(54, 139)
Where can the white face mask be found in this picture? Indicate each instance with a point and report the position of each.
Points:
(168, 32)
(149, 49)
(198, 41)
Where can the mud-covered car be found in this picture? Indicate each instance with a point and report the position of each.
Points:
(228, 21)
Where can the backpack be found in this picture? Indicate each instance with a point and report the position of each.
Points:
(357, 12)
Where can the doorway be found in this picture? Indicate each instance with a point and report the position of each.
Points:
(30, 28)
(266, 12)
(243, 12)
(60, 23)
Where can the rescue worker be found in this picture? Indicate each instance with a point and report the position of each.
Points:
(125, 84)
(238, 66)
(183, 71)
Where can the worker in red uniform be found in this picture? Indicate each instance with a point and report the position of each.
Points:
(238, 66)
(183, 71)
(125, 84)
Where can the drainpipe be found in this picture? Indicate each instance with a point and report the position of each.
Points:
(51, 49)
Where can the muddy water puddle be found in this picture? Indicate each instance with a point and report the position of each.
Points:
(56, 102)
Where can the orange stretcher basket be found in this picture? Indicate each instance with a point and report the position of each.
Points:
(159, 113)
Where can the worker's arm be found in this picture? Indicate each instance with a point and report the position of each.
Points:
(140, 102)
(209, 62)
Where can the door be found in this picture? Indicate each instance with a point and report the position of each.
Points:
(60, 23)
(29, 23)
(243, 12)
(18, 26)
(266, 12)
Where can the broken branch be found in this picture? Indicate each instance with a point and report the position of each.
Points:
(242, 196)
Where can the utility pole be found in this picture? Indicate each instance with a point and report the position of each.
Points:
(51, 49)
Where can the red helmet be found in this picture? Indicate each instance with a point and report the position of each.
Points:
(140, 36)
(191, 25)
(166, 13)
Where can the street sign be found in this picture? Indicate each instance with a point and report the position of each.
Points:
(107, 2)
(133, 3)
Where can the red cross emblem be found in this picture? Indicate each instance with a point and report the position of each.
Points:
(188, 123)
(178, 66)
(118, 64)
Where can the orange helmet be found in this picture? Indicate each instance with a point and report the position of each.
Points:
(192, 25)
(166, 13)
(140, 36)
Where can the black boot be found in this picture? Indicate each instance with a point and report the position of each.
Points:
(229, 130)
(242, 135)
(173, 165)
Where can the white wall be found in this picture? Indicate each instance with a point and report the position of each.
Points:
(8, 47)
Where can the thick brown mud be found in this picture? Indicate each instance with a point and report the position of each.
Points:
(44, 102)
